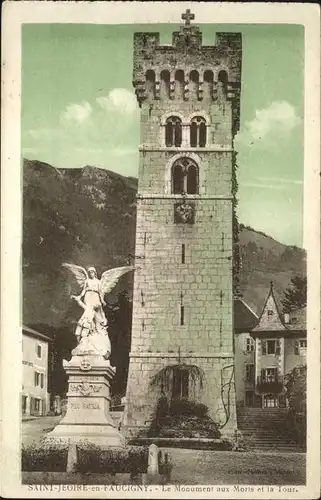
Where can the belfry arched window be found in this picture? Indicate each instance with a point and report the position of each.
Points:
(198, 132)
(179, 84)
(164, 89)
(193, 85)
(150, 84)
(208, 85)
(222, 85)
(173, 132)
(185, 176)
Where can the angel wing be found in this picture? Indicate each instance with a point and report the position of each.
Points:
(110, 278)
(79, 273)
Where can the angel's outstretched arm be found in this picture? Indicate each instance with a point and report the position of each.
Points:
(79, 301)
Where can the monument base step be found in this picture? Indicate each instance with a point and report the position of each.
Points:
(189, 443)
(102, 435)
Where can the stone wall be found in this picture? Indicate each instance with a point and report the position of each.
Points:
(142, 395)
(203, 284)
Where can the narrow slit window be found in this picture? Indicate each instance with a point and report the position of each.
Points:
(182, 315)
(183, 253)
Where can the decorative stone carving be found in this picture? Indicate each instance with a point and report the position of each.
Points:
(85, 365)
(184, 213)
(85, 388)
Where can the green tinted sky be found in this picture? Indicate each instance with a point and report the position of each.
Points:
(78, 108)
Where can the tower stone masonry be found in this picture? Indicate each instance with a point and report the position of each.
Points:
(189, 96)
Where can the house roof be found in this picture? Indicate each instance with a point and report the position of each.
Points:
(33, 333)
(245, 318)
(271, 319)
(297, 319)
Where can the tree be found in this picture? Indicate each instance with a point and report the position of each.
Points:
(296, 393)
(296, 295)
(119, 316)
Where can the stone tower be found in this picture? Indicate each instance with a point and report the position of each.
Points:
(189, 96)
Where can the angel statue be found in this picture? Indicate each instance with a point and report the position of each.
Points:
(91, 330)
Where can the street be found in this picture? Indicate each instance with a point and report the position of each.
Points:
(208, 467)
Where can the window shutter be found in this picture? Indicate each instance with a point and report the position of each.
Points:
(296, 347)
(264, 347)
(42, 380)
(278, 347)
(35, 379)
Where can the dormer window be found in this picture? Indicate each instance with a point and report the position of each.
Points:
(300, 347)
(270, 312)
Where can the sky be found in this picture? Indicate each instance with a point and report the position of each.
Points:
(78, 108)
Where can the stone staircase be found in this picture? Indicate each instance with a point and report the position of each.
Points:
(266, 429)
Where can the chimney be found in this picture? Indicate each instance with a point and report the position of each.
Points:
(286, 318)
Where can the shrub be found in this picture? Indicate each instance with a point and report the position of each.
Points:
(185, 419)
(188, 408)
(46, 458)
(94, 459)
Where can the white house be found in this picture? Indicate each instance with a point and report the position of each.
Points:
(35, 397)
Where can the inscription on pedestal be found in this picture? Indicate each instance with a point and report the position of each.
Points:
(85, 406)
(91, 406)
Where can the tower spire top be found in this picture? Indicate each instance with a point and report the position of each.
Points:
(188, 16)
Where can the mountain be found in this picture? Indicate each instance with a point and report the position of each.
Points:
(82, 216)
(87, 217)
(263, 260)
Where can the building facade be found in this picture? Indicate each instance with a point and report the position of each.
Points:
(35, 397)
(244, 320)
(265, 354)
(189, 96)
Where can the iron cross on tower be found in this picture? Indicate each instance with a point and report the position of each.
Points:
(187, 17)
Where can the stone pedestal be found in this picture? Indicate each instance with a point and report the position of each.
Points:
(88, 402)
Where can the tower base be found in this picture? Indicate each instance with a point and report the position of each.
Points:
(217, 391)
(88, 419)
